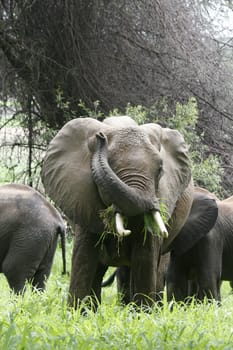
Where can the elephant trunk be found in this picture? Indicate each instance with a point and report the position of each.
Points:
(112, 189)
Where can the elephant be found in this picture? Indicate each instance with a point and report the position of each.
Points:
(137, 173)
(198, 271)
(30, 226)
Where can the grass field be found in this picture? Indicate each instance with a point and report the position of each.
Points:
(43, 321)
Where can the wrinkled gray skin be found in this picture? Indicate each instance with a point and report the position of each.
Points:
(91, 165)
(198, 270)
(30, 226)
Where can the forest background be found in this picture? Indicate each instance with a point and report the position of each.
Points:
(170, 62)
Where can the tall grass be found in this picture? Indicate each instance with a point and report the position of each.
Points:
(43, 321)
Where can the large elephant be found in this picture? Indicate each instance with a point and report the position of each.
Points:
(29, 229)
(199, 270)
(135, 170)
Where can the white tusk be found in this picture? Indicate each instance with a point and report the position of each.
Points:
(160, 223)
(120, 226)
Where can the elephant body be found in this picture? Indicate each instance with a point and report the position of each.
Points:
(199, 270)
(29, 228)
(90, 166)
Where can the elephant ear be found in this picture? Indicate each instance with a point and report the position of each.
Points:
(202, 218)
(176, 164)
(66, 173)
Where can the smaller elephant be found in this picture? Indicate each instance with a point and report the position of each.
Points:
(199, 270)
(29, 229)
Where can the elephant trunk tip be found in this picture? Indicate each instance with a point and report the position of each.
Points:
(101, 138)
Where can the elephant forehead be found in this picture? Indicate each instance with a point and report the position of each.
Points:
(133, 154)
(131, 146)
(120, 121)
(127, 138)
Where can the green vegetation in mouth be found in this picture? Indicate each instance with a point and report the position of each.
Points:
(150, 225)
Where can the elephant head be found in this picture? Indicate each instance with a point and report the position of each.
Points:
(90, 165)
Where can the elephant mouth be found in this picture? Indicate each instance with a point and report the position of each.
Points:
(125, 198)
(122, 232)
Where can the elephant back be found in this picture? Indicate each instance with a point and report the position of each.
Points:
(228, 200)
(202, 190)
(28, 205)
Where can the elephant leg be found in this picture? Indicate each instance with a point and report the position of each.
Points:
(96, 285)
(17, 269)
(144, 262)
(83, 270)
(209, 282)
(209, 269)
(43, 271)
(209, 287)
(16, 280)
(192, 288)
(123, 284)
(161, 275)
(231, 285)
(177, 282)
(41, 276)
(39, 279)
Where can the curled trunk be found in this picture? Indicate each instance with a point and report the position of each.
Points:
(112, 189)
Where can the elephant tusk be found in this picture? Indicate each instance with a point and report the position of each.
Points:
(160, 223)
(120, 226)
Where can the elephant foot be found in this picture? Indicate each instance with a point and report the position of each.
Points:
(89, 303)
(145, 302)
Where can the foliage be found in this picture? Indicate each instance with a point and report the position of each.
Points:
(55, 45)
(150, 224)
(92, 113)
(23, 141)
(43, 321)
(185, 120)
(139, 113)
(108, 218)
(208, 173)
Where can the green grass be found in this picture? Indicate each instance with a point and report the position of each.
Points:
(43, 321)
